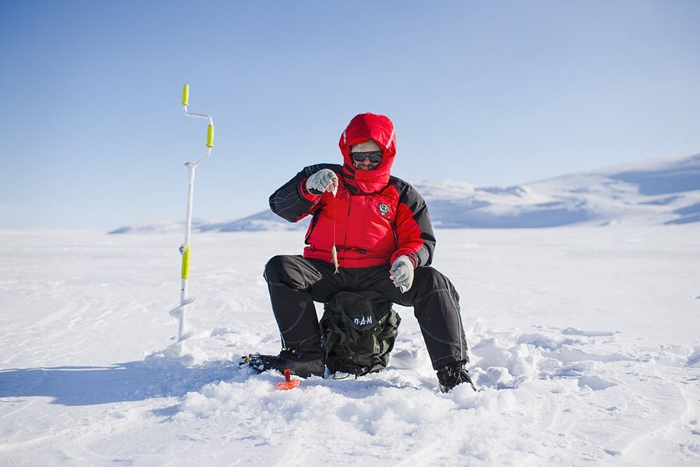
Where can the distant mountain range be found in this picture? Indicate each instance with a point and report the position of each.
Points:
(658, 192)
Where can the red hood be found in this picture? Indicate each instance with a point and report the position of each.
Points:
(360, 129)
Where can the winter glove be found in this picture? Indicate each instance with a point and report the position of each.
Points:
(321, 181)
(401, 273)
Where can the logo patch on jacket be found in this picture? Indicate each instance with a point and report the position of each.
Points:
(384, 209)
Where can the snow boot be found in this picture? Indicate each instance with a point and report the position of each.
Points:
(453, 374)
(292, 360)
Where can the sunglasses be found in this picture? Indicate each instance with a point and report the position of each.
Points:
(375, 157)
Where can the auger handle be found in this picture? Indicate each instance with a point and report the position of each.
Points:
(210, 136)
(186, 95)
(186, 103)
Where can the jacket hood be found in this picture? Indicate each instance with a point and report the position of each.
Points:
(361, 128)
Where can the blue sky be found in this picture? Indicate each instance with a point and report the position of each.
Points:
(493, 93)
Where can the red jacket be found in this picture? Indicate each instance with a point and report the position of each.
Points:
(374, 217)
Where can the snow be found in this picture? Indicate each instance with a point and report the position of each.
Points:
(583, 340)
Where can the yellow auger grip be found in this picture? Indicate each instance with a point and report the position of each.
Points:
(186, 95)
(210, 136)
(186, 261)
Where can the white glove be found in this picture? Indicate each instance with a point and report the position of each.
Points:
(401, 273)
(323, 180)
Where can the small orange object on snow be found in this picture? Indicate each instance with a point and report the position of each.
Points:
(288, 382)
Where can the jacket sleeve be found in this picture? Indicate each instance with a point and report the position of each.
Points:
(292, 201)
(414, 231)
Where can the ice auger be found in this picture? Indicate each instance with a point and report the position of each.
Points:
(183, 331)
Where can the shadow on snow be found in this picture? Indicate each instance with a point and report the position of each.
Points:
(123, 382)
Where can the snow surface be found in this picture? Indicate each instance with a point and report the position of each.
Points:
(584, 344)
(584, 339)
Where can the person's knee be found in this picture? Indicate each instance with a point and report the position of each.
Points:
(431, 280)
(291, 271)
(275, 267)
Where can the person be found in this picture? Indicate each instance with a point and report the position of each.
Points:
(369, 231)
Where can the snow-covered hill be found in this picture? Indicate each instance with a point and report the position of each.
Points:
(658, 192)
(652, 193)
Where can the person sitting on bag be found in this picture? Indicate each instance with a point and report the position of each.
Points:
(369, 231)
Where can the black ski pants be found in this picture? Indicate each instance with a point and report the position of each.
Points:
(295, 283)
